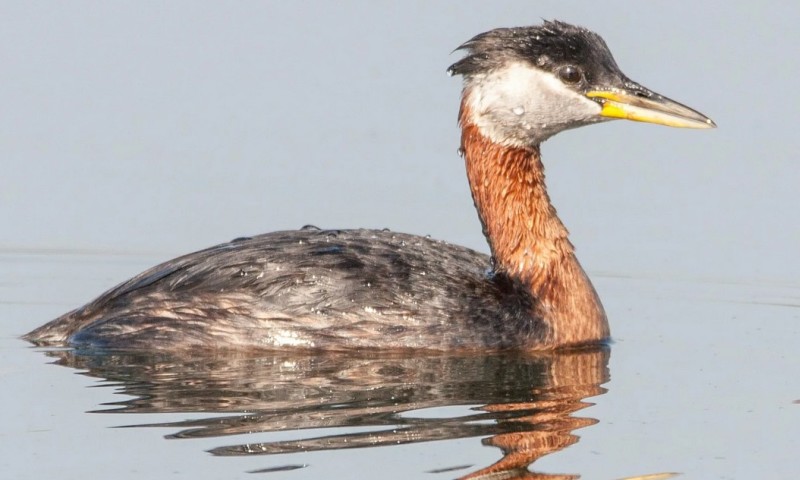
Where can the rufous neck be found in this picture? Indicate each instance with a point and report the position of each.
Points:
(522, 228)
(526, 237)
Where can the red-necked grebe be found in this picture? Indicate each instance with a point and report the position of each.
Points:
(345, 289)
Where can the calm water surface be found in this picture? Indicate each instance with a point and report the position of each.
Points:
(135, 132)
(674, 393)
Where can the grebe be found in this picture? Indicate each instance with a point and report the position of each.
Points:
(350, 289)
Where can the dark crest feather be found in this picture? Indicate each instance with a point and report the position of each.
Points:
(554, 41)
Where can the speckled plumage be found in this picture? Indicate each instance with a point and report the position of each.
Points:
(327, 289)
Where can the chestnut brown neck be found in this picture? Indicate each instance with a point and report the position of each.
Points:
(526, 237)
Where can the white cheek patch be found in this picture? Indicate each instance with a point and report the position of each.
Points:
(521, 105)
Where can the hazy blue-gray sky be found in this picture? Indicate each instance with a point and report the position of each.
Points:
(152, 126)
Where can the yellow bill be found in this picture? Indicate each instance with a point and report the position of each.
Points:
(653, 108)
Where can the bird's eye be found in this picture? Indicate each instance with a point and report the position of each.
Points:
(570, 74)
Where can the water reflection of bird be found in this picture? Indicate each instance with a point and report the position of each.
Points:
(287, 403)
(338, 289)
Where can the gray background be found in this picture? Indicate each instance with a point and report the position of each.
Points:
(131, 132)
(142, 126)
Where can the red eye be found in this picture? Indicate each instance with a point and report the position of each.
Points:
(570, 75)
